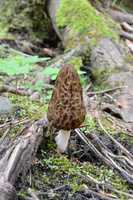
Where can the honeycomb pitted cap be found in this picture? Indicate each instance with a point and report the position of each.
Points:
(66, 108)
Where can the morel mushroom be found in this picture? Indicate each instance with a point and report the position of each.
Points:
(66, 110)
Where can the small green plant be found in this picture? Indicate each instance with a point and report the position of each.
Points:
(31, 109)
(48, 96)
(15, 65)
(61, 166)
(90, 124)
(51, 71)
(38, 86)
(83, 77)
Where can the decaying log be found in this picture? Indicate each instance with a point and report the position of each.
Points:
(18, 158)
(13, 90)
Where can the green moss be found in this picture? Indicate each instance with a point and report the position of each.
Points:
(4, 32)
(108, 125)
(30, 109)
(76, 62)
(101, 74)
(90, 124)
(24, 17)
(63, 167)
(24, 108)
(22, 194)
(124, 137)
(129, 58)
(83, 20)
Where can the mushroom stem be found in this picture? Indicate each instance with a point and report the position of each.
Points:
(62, 140)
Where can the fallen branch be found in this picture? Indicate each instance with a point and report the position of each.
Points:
(106, 186)
(124, 167)
(17, 158)
(126, 35)
(127, 27)
(11, 89)
(102, 195)
(21, 91)
(32, 194)
(106, 91)
(119, 145)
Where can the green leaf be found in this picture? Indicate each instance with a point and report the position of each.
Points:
(51, 71)
(14, 65)
(39, 85)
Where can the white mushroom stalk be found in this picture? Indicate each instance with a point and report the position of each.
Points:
(62, 140)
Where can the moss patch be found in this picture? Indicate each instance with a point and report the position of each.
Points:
(27, 17)
(28, 108)
(83, 20)
(59, 170)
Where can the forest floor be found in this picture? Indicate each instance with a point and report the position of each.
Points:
(81, 173)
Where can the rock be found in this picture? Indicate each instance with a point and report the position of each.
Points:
(106, 58)
(76, 24)
(125, 104)
(123, 98)
(6, 107)
(120, 79)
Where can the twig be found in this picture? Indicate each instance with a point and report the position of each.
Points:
(127, 27)
(32, 194)
(92, 147)
(126, 35)
(120, 16)
(106, 186)
(7, 88)
(105, 91)
(126, 171)
(115, 141)
(18, 156)
(101, 195)
(104, 155)
(15, 123)
(110, 97)
(4, 135)
(21, 91)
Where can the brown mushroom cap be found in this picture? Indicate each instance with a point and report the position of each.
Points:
(66, 108)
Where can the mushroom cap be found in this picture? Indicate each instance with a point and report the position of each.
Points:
(66, 108)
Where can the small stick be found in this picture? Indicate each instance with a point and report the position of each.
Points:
(107, 90)
(127, 27)
(115, 141)
(106, 185)
(102, 195)
(33, 195)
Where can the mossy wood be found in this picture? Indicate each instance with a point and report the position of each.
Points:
(79, 22)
